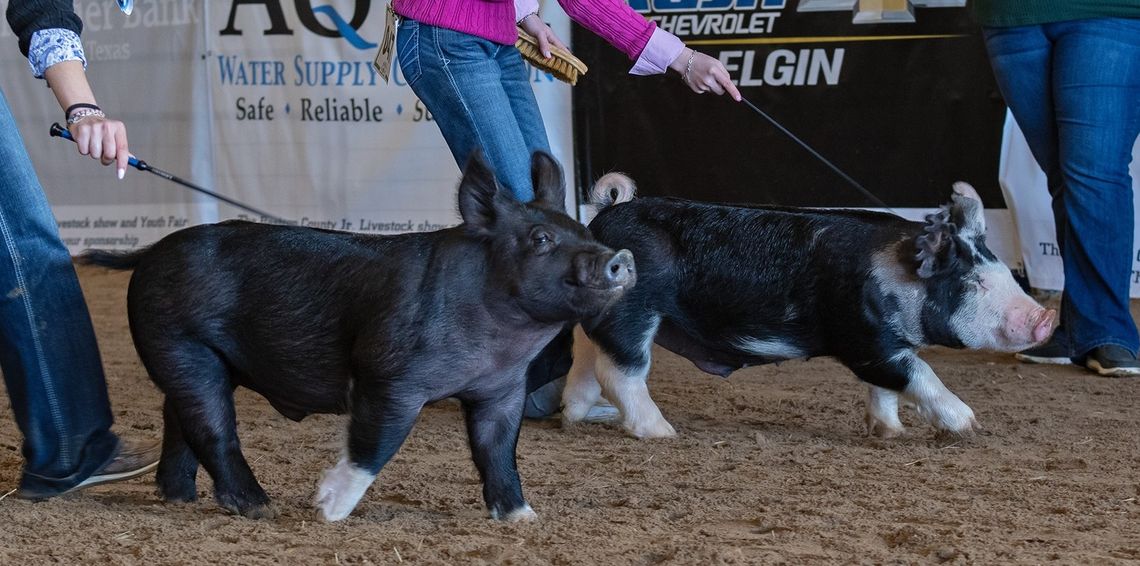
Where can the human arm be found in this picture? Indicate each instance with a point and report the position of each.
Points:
(703, 73)
(48, 32)
(98, 136)
(526, 15)
(653, 49)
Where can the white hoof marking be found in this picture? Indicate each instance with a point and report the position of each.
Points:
(523, 514)
(882, 417)
(340, 489)
(658, 428)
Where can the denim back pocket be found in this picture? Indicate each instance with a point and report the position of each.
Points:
(408, 50)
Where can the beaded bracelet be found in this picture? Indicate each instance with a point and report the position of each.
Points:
(689, 65)
(77, 106)
(82, 113)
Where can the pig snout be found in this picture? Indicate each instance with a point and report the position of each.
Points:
(1030, 326)
(605, 270)
(1000, 316)
(619, 269)
(1046, 323)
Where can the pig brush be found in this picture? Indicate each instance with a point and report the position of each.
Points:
(562, 64)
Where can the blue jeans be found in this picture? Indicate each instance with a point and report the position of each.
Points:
(1074, 88)
(48, 353)
(479, 94)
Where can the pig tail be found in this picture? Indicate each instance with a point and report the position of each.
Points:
(612, 188)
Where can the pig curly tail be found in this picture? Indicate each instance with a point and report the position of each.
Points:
(612, 188)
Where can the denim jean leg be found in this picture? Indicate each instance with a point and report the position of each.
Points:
(1022, 61)
(48, 353)
(1096, 89)
(1080, 120)
(460, 80)
(524, 106)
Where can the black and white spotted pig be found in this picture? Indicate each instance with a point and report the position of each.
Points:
(319, 321)
(728, 287)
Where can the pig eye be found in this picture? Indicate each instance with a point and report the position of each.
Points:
(979, 283)
(540, 239)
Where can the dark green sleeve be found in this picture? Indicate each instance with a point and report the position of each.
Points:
(1007, 13)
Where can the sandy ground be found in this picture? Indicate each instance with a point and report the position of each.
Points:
(771, 466)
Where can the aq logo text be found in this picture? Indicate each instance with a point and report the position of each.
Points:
(308, 16)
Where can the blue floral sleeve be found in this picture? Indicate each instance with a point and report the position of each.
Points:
(51, 46)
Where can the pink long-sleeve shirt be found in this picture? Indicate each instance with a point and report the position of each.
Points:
(613, 20)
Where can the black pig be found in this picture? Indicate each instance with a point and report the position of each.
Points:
(319, 321)
(728, 287)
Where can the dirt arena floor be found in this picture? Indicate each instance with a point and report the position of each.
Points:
(770, 467)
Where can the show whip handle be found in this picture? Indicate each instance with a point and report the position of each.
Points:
(58, 131)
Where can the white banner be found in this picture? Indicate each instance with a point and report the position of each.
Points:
(274, 104)
(145, 71)
(1027, 195)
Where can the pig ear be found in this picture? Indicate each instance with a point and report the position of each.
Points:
(478, 194)
(549, 184)
(967, 211)
(935, 244)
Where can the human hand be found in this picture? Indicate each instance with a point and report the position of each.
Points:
(102, 139)
(94, 134)
(534, 25)
(703, 73)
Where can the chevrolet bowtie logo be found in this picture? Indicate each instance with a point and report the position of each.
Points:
(877, 11)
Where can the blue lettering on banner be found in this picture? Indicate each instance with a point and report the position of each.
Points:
(234, 71)
(333, 73)
(346, 31)
(307, 15)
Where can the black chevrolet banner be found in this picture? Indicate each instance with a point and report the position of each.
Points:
(906, 109)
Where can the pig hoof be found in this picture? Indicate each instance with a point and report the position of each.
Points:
(658, 429)
(968, 430)
(177, 491)
(960, 425)
(333, 512)
(884, 430)
(249, 510)
(949, 414)
(881, 427)
(340, 490)
(573, 413)
(958, 428)
(177, 496)
(523, 514)
(264, 511)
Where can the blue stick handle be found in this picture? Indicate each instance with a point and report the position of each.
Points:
(61, 132)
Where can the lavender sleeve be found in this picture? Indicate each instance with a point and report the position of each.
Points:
(661, 50)
(524, 8)
(641, 40)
